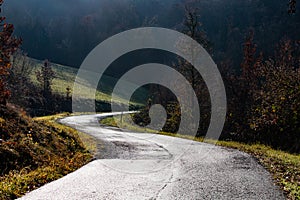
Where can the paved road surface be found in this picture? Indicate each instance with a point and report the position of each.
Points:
(148, 166)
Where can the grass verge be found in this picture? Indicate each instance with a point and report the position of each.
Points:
(88, 141)
(284, 167)
(37, 151)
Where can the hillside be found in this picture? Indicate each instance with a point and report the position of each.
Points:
(34, 152)
(65, 77)
(27, 91)
(58, 34)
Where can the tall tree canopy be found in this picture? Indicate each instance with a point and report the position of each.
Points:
(8, 45)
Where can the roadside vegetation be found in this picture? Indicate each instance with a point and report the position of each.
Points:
(284, 166)
(89, 143)
(262, 85)
(34, 152)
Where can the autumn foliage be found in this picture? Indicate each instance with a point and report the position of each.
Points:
(8, 45)
(264, 96)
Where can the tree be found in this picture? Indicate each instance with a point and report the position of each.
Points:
(8, 45)
(68, 92)
(292, 6)
(45, 77)
(241, 89)
(193, 28)
(264, 97)
(276, 111)
(19, 82)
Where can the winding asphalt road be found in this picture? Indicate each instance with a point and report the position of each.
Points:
(149, 166)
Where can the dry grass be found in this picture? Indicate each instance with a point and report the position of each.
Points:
(35, 152)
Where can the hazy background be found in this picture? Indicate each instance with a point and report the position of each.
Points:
(66, 31)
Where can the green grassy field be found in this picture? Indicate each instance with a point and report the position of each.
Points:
(284, 167)
(65, 77)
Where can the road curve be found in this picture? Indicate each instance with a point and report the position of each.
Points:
(149, 166)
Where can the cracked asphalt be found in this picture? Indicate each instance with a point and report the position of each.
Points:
(150, 166)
